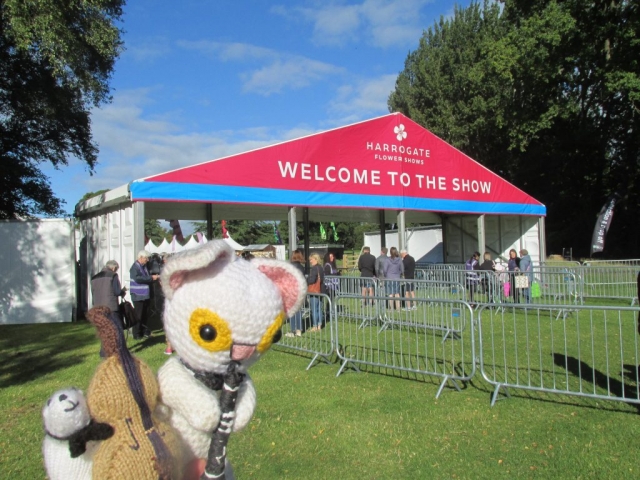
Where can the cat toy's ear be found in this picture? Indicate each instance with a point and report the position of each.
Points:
(290, 282)
(211, 256)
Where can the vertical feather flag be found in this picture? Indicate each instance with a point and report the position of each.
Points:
(225, 233)
(276, 234)
(335, 232)
(602, 224)
(323, 233)
(177, 231)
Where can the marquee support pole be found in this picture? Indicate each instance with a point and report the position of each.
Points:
(293, 230)
(402, 238)
(138, 228)
(305, 223)
(482, 244)
(542, 239)
(383, 231)
(209, 208)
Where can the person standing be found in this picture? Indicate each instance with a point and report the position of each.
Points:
(513, 265)
(141, 282)
(106, 290)
(409, 264)
(367, 267)
(331, 270)
(489, 278)
(526, 267)
(381, 261)
(393, 271)
(316, 272)
(105, 287)
(471, 275)
(295, 322)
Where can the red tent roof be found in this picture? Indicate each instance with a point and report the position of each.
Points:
(389, 162)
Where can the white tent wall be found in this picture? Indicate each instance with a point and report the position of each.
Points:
(502, 233)
(108, 235)
(37, 268)
(423, 243)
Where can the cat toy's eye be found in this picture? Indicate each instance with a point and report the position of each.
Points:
(273, 334)
(209, 330)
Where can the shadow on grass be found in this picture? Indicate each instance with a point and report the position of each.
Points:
(611, 385)
(156, 339)
(28, 352)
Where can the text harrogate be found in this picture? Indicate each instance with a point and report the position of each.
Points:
(385, 147)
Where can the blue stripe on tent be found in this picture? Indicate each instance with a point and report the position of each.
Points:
(166, 191)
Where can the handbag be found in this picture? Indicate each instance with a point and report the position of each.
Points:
(127, 314)
(506, 288)
(315, 287)
(522, 281)
(535, 290)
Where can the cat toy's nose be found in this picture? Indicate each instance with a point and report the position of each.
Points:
(241, 352)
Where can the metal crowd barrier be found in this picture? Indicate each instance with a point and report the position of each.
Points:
(562, 347)
(591, 353)
(614, 282)
(605, 263)
(321, 344)
(413, 340)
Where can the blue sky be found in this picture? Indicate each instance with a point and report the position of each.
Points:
(201, 79)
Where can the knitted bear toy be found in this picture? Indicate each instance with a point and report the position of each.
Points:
(71, 437)
(221, 314)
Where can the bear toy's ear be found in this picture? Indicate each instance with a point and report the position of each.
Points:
(180, 266)
(290, 282)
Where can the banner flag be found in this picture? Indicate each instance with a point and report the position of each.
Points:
(335, 232)
(323, 233)
(602, 224)
(276, 234)
(177, 231)
(225, 234)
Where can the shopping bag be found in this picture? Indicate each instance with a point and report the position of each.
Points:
(522, 281)
(535, 290)
(506, 288)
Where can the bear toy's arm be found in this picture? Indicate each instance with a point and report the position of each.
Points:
(184, 394)
(245, 405)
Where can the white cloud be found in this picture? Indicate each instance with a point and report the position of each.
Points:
(281, 71)
(295, 73)
(364, 98)
(148, 49)
(227, 51)
(382, 23)
(132, 145)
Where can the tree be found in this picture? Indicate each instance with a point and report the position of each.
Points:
(55, 62)
(546, 94)
(154, 231)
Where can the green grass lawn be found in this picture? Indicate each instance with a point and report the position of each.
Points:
(312, 425)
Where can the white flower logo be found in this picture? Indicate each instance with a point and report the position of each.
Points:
(400, 133)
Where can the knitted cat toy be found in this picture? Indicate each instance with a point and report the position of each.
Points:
(221, 314)
(124, 393)
(71, 436)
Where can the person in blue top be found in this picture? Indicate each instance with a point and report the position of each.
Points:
(393, 270)
(140, 291)
(526, 267)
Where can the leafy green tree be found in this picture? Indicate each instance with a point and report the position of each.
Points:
(155, 232)
(55, 62)
(545, 93)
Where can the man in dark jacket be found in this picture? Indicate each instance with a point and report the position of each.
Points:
(141, 281)
(105, 287)
(367, 267)
(409, 274)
